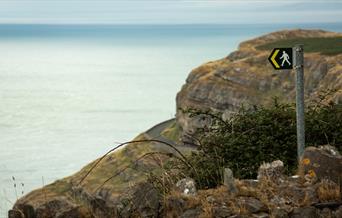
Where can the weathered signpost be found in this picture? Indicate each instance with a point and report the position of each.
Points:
(293, 58)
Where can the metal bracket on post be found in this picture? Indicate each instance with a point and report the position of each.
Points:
(298, 61)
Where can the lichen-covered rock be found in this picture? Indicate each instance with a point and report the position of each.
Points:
(322, 163)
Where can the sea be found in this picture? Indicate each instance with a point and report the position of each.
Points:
(69, 93)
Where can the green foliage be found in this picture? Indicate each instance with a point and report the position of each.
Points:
(257, 135)
(327, 46)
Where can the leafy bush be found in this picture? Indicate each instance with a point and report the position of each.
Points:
(257, 135)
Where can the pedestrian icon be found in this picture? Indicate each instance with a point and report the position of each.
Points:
(281, 58)
(285, 57)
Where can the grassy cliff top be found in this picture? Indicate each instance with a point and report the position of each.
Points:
(324, 45)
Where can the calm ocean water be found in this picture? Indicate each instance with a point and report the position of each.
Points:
(70, 93)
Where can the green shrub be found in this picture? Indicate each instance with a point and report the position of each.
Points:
(257, 135)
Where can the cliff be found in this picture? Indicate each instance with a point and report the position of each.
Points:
(246, 77)
(117, 185)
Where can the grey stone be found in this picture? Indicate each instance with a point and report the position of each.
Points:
(261, 215)
(301, 212)
(229, 180)
(252, 205)
(221, 212)
(186, 186)
(191, 213)
(211, 199)
(279, 213)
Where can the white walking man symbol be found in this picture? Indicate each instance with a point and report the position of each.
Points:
(286, 58)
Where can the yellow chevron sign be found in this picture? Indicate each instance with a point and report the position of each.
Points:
(281, 58)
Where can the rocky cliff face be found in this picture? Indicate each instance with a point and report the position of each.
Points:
(117, 186)
(246, 77)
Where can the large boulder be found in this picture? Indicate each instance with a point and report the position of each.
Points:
(320, 163)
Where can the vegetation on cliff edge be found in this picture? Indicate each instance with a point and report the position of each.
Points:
(259, 134)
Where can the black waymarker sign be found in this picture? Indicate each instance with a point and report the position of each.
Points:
(281, 58)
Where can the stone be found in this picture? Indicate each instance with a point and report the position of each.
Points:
(175, 205)
(210, 199)
(52, 207)
(15, 214)
(252, 205)
(326, 213)
(322, 163)
(73, 212)
(279, 213)
(27, 210)
(301, 212)
(229, 180)
(186, 186)
(221, 212)
(261, 215)
(250, 182)
(191, 213)
(145, 201)
(272, 171)
(338, 213)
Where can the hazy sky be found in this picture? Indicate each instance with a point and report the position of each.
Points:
(165, 11)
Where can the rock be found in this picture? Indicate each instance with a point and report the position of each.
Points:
(239, 216)
(261, 215)
(174, 206)
(27, 210)
(53, 207)
(15, 214)
(229, 180)
(326, 213)
(279, 213)
(75, 212)
(322, 163)
(252, 205)
(338, 213)
(99, 207)
(145, 202)
(186, 186)
(272, 171)
(292, 194)
(310, 212)
(211, 199)
(221, 212)
(191, 213)
(249, 182)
